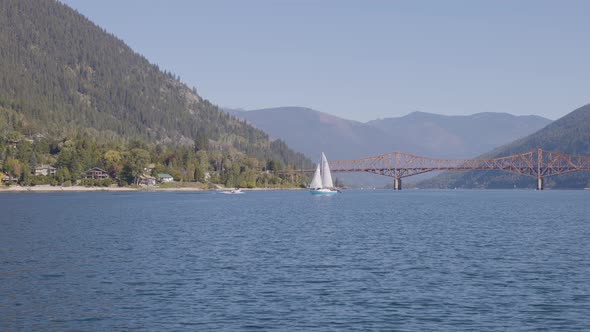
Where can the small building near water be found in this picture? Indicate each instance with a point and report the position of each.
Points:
(97, 174)
(7, 179)
(164, 178)
(146, 180)
(45, 170)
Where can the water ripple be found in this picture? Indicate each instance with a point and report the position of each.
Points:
(286, 261)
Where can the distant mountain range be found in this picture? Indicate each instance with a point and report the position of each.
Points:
(427, 134)
(569, 134)
(436, 135)
(311, 132)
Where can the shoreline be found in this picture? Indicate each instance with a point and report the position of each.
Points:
(80, 189)
(57, 189)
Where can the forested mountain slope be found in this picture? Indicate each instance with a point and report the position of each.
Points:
(61, 75)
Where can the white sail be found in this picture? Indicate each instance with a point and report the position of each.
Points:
(326, 176)
(316, 181)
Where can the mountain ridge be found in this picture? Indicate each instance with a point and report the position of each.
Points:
(306, 120)
(69, 80)
(64, 73)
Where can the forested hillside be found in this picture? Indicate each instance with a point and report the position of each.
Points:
(67, 79)
(569, 134)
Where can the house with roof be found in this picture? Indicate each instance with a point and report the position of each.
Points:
(13, 143)
(45, 170)
(96, 173)
(146, 180)
(164, 178)
(7, 178)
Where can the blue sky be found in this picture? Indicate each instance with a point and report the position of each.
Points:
(366, 59)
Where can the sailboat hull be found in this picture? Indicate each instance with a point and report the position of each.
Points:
(325, 192)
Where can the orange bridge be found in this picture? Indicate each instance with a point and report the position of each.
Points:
(538, 164)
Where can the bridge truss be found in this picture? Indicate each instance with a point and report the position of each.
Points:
(538, 164)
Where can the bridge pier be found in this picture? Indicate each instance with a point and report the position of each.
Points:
(397, 184)
(539, 183)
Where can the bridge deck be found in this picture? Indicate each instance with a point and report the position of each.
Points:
(538, 163)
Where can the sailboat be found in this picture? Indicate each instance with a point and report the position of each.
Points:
(321, 183)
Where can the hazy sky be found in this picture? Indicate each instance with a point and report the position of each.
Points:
(366, 59)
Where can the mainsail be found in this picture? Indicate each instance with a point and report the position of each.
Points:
(326, 176)
(316, 182)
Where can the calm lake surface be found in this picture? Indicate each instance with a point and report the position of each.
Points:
(288, 261)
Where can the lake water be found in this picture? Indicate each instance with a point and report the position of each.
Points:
(288, 261)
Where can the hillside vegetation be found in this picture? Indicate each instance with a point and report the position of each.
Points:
(80, 87)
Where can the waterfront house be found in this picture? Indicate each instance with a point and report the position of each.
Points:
(146, 180)
(165, 178)
(45, 170)
(7, 179)
(97, 174)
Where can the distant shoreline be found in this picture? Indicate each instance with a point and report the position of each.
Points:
(57, 189)
(74, 189)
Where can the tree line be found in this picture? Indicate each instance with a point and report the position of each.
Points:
(127, 162)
